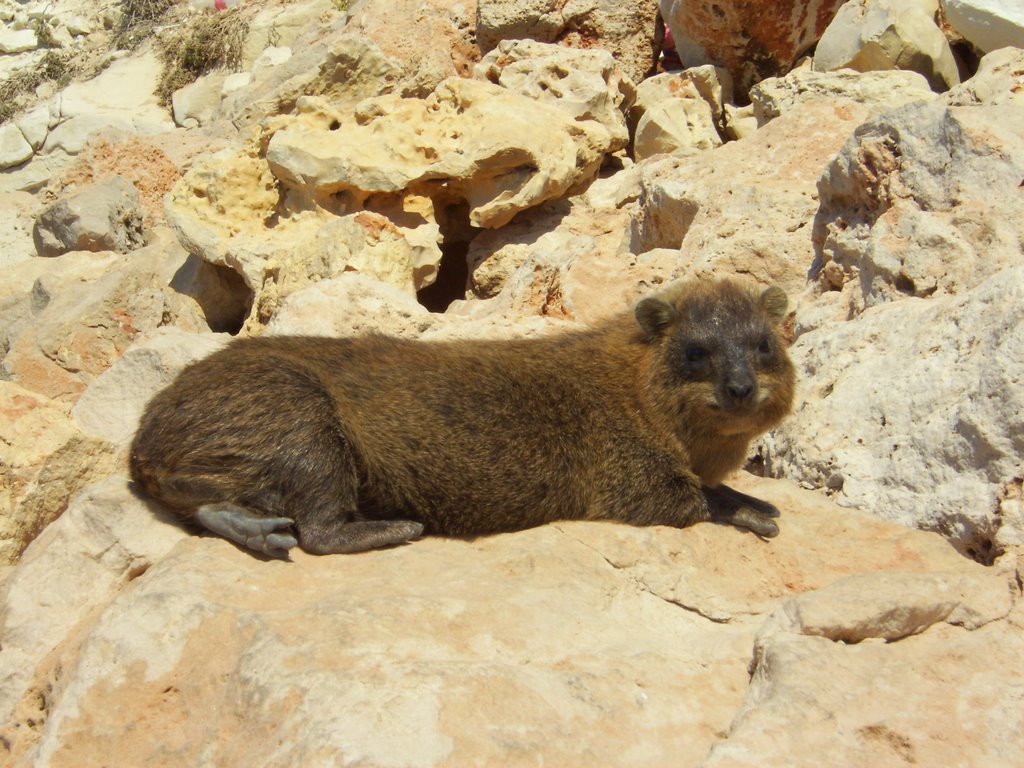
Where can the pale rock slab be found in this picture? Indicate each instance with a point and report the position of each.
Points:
(111, 407)
(753, 40)
(875, 90)
(14, 147)
(913, 411)
(35, 125)
(119, 98)
(924, 199)
(999, 80)
(988, 24)
(72, 332)
(871, 35)
(626, 30)
(103, 216)
(586, 84)
(17, 40)
(429, 674)
(955, 711)
(105, 539)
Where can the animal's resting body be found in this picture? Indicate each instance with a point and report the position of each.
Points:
(342, 445)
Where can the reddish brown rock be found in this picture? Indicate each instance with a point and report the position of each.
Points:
(753, 40)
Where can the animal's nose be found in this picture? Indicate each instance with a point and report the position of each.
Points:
(740, 391)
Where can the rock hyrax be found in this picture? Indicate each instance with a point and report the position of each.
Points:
(342, 445)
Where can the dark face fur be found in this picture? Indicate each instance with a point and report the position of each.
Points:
(722, 352)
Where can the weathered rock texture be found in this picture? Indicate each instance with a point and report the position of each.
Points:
(364, 164)
(753, 40)
(399, 657)
(104, 216)
(914, 400)
(626, 30)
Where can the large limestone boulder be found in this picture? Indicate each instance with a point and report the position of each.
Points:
(911, 354)
(497, 150)
(875, 90)
(753, 40)
(871, 35)
(924, 200)
(333, 190)
(626, 30)
(679, 112)
(398, 657)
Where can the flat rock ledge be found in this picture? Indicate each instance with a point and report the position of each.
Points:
(570, 644)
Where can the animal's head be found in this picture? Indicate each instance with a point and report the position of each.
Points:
(720, 356)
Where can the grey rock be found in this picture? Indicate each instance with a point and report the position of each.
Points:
(104, 216)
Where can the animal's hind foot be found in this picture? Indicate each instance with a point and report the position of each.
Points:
(269, 535)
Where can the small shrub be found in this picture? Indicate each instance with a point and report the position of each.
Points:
(207, 42)
(138, 19)
(15, 89)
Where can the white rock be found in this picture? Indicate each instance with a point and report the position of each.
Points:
(272, 56)
(14, 148)
(18, 41)
(988, 24)
(999, 80)
(110, 408)
(234, 82)
(35, 125)
(197, 102)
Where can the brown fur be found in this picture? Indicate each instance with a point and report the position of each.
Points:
(474, 437)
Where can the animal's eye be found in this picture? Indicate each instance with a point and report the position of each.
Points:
(765, 346)
(695, 353)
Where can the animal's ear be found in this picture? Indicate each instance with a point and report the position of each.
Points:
(655, 315)
(774, 303)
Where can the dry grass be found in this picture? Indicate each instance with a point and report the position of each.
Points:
(207, 42)
(138, 20)
(17, 90)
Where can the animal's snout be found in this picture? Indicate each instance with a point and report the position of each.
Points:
(740, 392)
(739, 389)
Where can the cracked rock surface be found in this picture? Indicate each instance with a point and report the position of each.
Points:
(703, 646)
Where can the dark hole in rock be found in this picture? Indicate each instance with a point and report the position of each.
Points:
(453, 274)
(451, 278)
(220, 292)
